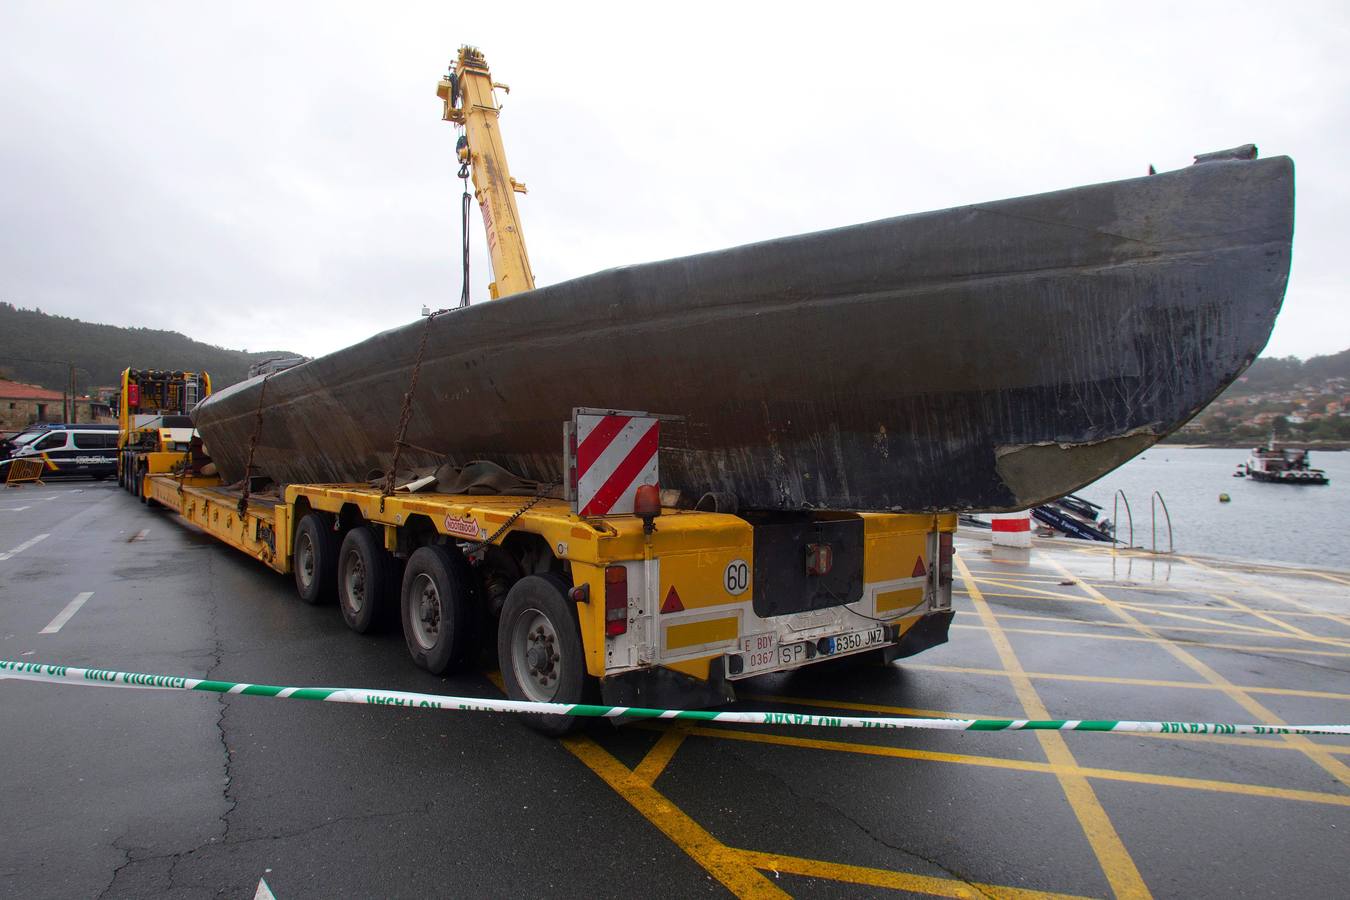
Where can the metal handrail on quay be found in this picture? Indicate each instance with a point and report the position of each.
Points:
(1154, 500)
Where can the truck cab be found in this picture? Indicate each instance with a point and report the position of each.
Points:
(154, 429)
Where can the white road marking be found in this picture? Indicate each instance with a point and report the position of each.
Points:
(24, 546)
(12, 508)
(264, 892)
(64, 615)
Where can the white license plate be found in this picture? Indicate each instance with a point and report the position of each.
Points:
(857, 640)
(759, 653)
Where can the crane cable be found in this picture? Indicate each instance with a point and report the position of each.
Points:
(405, 414)
(464, 232)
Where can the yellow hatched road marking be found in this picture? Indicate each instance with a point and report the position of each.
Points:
(1225, 628)
(657, 758)
(1277, 595)
(1139, 682)
(736, 869)
(1154, 609)
(1263, 743)
(995, 582)
(1317, 754)
(1114, 859)
(1335, 579)
(896, 881)
(1155, 638)
(1023, 765)
(1285, 626)
(1237, 626)
(723, 863)
(1143, 606)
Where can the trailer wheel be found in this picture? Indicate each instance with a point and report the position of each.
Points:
(315, 558)
(539, 649)
(437, 608)
(363, 583)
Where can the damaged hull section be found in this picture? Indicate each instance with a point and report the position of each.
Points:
(987, 357)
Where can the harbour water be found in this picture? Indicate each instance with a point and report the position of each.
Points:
(1305, 524)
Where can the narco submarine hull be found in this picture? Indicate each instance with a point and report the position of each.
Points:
(987, 357)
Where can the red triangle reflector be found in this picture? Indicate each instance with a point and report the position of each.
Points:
(919, 570)
(672, 602)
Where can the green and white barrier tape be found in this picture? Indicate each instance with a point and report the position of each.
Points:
(108, 678)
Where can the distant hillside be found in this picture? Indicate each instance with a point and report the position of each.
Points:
(1274, 373)
(103, 351)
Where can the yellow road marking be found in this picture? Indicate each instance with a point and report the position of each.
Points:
(1260, 614)
(726, 865)
(1143, 606)
(1335, 579)
(1054, 595)
(896, 881)
(1022, 765)
(1238, 626)
(1036, 593)
(1226, 628)
(1285, 598)
(1139, 682)
(1155, 638)
(657, 758)
(1317, 754)
(1263, 743)
(1029, 577)
(1114, 859)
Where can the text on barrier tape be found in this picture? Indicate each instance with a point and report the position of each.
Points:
(137, 680)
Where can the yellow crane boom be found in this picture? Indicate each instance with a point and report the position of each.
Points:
(467, 92)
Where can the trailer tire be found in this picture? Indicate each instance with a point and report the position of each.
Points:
(315, 558)
(363, 583)
(437, 608)
(539, 650)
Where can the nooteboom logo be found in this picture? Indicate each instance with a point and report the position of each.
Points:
(463, 526)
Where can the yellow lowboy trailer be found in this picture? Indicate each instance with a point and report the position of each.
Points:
(606, 591)
(668, 617)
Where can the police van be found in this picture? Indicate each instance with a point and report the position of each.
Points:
(89, 450)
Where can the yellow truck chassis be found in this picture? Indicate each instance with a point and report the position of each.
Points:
(688, 626)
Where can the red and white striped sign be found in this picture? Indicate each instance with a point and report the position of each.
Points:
(615, 453)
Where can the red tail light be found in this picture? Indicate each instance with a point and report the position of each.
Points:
(819, 559)
(133, 395)
(945, 558)
(616, 600)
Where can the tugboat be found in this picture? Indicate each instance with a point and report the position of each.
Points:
(1284, 466)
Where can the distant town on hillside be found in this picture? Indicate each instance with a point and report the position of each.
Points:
(1295, 401)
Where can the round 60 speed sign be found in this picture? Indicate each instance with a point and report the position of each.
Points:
(736, 578)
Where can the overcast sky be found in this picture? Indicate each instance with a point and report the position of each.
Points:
(276, 175)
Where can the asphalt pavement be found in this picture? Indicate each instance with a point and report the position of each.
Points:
(120, 793)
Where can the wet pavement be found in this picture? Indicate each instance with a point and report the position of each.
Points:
(134, 794)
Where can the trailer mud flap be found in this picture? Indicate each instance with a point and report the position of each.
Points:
(929, 631)
(805, 562)
(659, 686)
